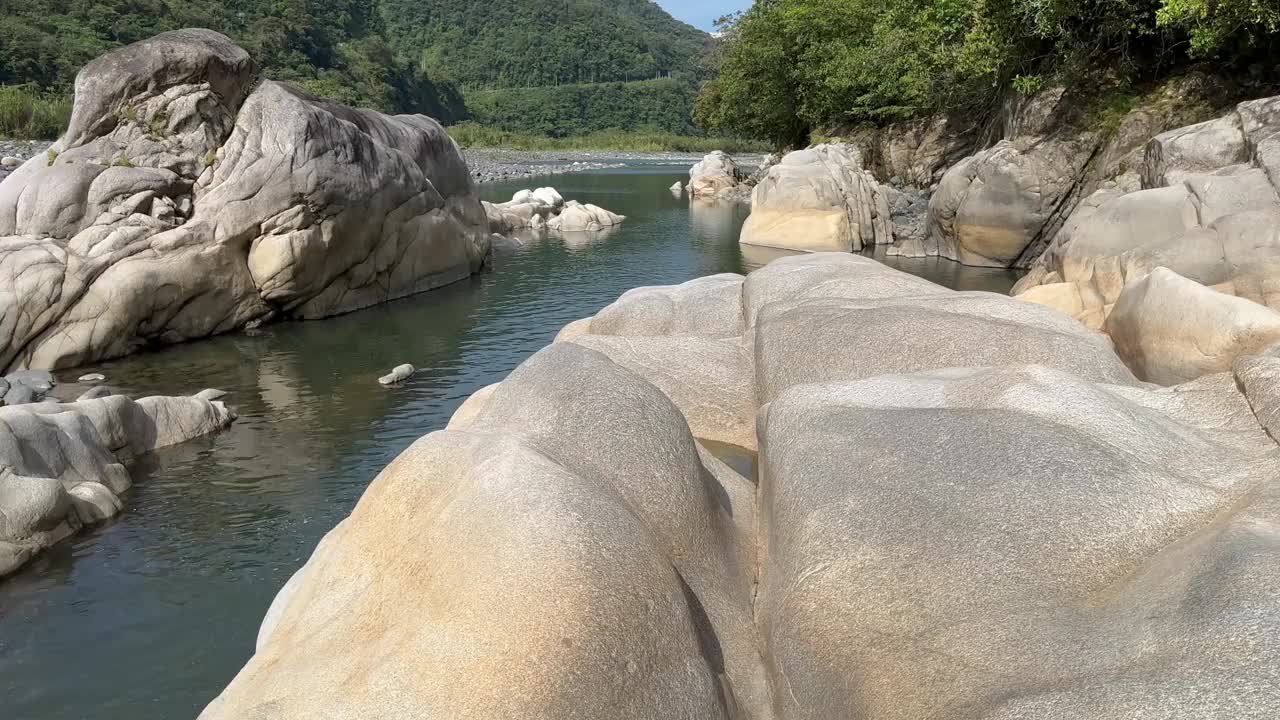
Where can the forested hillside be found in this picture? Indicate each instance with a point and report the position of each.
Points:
(522, 43)
(600, 64)
(338, 49)
(789, 66)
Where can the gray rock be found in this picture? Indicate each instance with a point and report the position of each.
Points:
(1209, 217)
(10, 162)
(713, 175)
(708, 307)
(577, 217)
(242, 202)
(92, 378)
(20, 394)
(818, 199)
(398, 375)
(1200, 148)
(62, 462)
(41, 381)
(95, 392)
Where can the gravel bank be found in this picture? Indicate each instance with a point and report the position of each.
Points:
(487, 164)
(20, 150)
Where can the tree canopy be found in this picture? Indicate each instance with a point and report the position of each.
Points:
(788, 65)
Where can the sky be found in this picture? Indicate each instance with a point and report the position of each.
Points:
(702, 13)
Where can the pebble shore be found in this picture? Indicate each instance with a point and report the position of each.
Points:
(487, 164)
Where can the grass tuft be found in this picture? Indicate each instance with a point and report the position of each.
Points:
(28, 114)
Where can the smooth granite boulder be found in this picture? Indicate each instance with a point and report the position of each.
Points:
(1259, 379)
(61, 462)
(185, 201)
(1209, 211)
(617, 576)
(1200, 148)
(710, 381)
(991, 207)
(819, 199)
(715, 176)
(709, 306)
(963, 506)
(1013, 542)
(1170, 329)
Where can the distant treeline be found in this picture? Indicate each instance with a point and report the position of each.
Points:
(567, 110)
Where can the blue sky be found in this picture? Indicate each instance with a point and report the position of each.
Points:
(701, 13)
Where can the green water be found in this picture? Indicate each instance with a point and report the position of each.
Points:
(150, 616)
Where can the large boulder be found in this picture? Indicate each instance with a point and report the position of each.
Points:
(184, 201)
(62, 462)
(617, 578)
(717, 176)
(1170, 329)
(970, 510)
(1012, 542)
(991, 207)
(819, 199)
(1208, 210)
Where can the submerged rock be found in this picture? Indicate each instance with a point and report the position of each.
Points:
(398, 375)
(62, 462)
(577, 217)
(199, 200)
(545, 209)
(964, 501)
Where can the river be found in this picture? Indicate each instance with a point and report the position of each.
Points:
(151, 615)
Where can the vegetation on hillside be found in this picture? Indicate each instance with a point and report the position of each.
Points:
(522, 43)
(561, 68)
(470, 134)
(788, 66)
(337, 49)
(566, 110)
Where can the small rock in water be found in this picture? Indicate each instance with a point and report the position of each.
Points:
(398, 375)
(20, 394)
(10, 162)
(92, 378)
(41, 381)
(96, 392)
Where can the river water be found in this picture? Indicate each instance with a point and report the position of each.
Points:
(150, 616)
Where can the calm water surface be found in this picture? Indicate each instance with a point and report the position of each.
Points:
(151, 616)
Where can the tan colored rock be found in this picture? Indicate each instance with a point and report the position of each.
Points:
(714, 175)
(1063, 297)
(1170, 329)
(818, 199)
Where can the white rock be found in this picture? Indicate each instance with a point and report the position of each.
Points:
(398, 375)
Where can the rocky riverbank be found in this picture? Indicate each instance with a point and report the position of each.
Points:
(962, 500)
(15, 152)
(497, 164)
